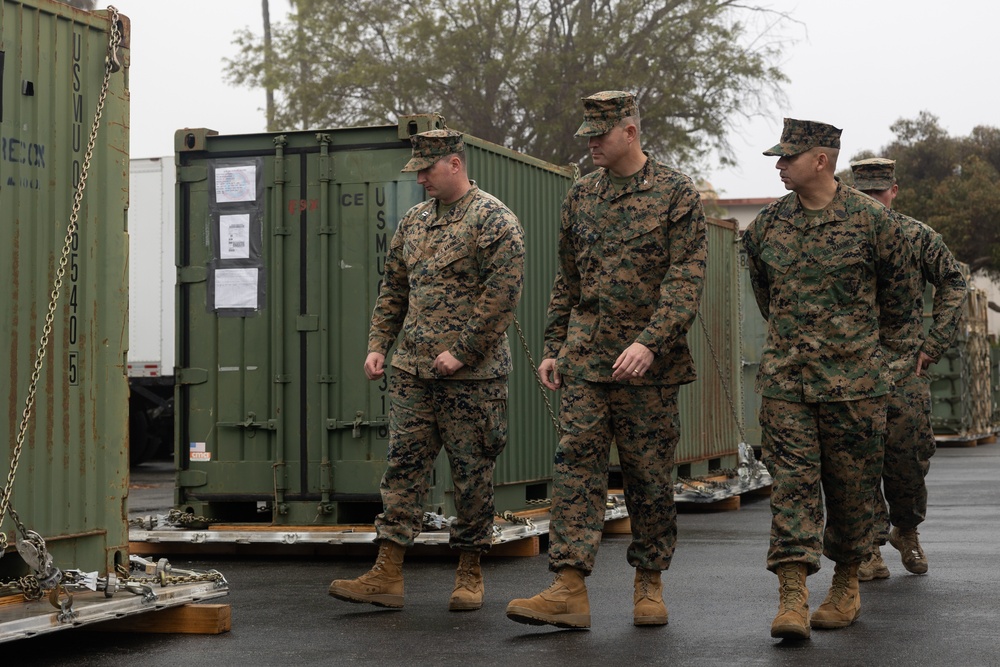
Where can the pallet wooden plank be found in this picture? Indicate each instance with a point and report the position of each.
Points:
(11, 599)
(725, 505)
(621, 526)
(197, 619)
(527, 547)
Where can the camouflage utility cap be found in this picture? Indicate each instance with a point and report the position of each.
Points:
(798, 136)
(431, 146)
(877, 173)
(603, 111)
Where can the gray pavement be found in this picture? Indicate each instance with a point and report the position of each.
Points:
(720, 597)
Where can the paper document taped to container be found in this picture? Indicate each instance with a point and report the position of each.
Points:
(235, 184)
(234, 236)
(236, 288)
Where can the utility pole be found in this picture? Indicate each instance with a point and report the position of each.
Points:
(268, 59)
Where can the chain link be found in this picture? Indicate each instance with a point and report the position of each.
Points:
(534, 372)
(27, 586)
(722, 379)
(29, 403)
(174, 518)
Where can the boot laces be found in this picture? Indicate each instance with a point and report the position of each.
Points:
(910, 543)
(644, 584)
(556, 584)
(466, 578)
(465, 573)
(791, 589)
(839, 585)
(380, 560)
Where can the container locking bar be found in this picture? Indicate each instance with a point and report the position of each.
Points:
(355, 426)
(251, 423)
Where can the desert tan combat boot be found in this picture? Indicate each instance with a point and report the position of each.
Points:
(648, 599)
(382, 585)
(564, 604)
(905, 540)
(873, 567)
(792, 621)
(842, 605)
(468, 593)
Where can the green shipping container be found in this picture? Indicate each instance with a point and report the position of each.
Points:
(280, 245)
(753, 334)
(71, 478)
(711, 409)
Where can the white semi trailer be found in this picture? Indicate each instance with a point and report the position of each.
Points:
(152, 276)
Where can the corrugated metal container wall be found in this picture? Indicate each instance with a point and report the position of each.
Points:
(72, 475)
(753, 335)
(534, 190)
(710, 423)
(281, 240)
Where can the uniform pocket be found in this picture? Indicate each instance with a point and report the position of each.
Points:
(776, 258)
(448, 257)
(495, 435)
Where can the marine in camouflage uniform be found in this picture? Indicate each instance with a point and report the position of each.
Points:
(831, 275)
(632, 253)
(453, 278)
(909, 438)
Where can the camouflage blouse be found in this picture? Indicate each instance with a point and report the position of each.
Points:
(451, 283)
(631, 266)
(938, 267)
(834, 289)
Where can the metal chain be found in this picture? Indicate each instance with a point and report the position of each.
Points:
(722, 378)
(27, 586)
(29, 403)
(534, 372)
(173, 517)
(161, 575)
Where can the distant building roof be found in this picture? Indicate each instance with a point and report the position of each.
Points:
(751, 201)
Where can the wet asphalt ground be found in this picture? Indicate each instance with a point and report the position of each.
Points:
(720, 598)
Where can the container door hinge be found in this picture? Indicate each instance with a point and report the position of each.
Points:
(186, 478)
(192, 174)
(307, 323)
(191, 375)
(192, 274)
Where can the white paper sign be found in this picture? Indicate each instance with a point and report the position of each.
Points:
(236, 288)
(234, 236)
(235, 184)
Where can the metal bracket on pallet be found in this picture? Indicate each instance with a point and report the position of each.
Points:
(505, 531)
(750, 475)
(93, 600)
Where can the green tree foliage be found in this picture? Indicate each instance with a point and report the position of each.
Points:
(512, 71)
(952, 184)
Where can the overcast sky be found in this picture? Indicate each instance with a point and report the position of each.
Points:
(858, 64)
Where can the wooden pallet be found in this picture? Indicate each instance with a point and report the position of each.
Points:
(729, 504)
(528, 546)
(964, 441)
(191, 619)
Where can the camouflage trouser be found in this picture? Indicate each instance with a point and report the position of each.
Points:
(815, 451)
(644, 424)
(467, 417)
(909, 445)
